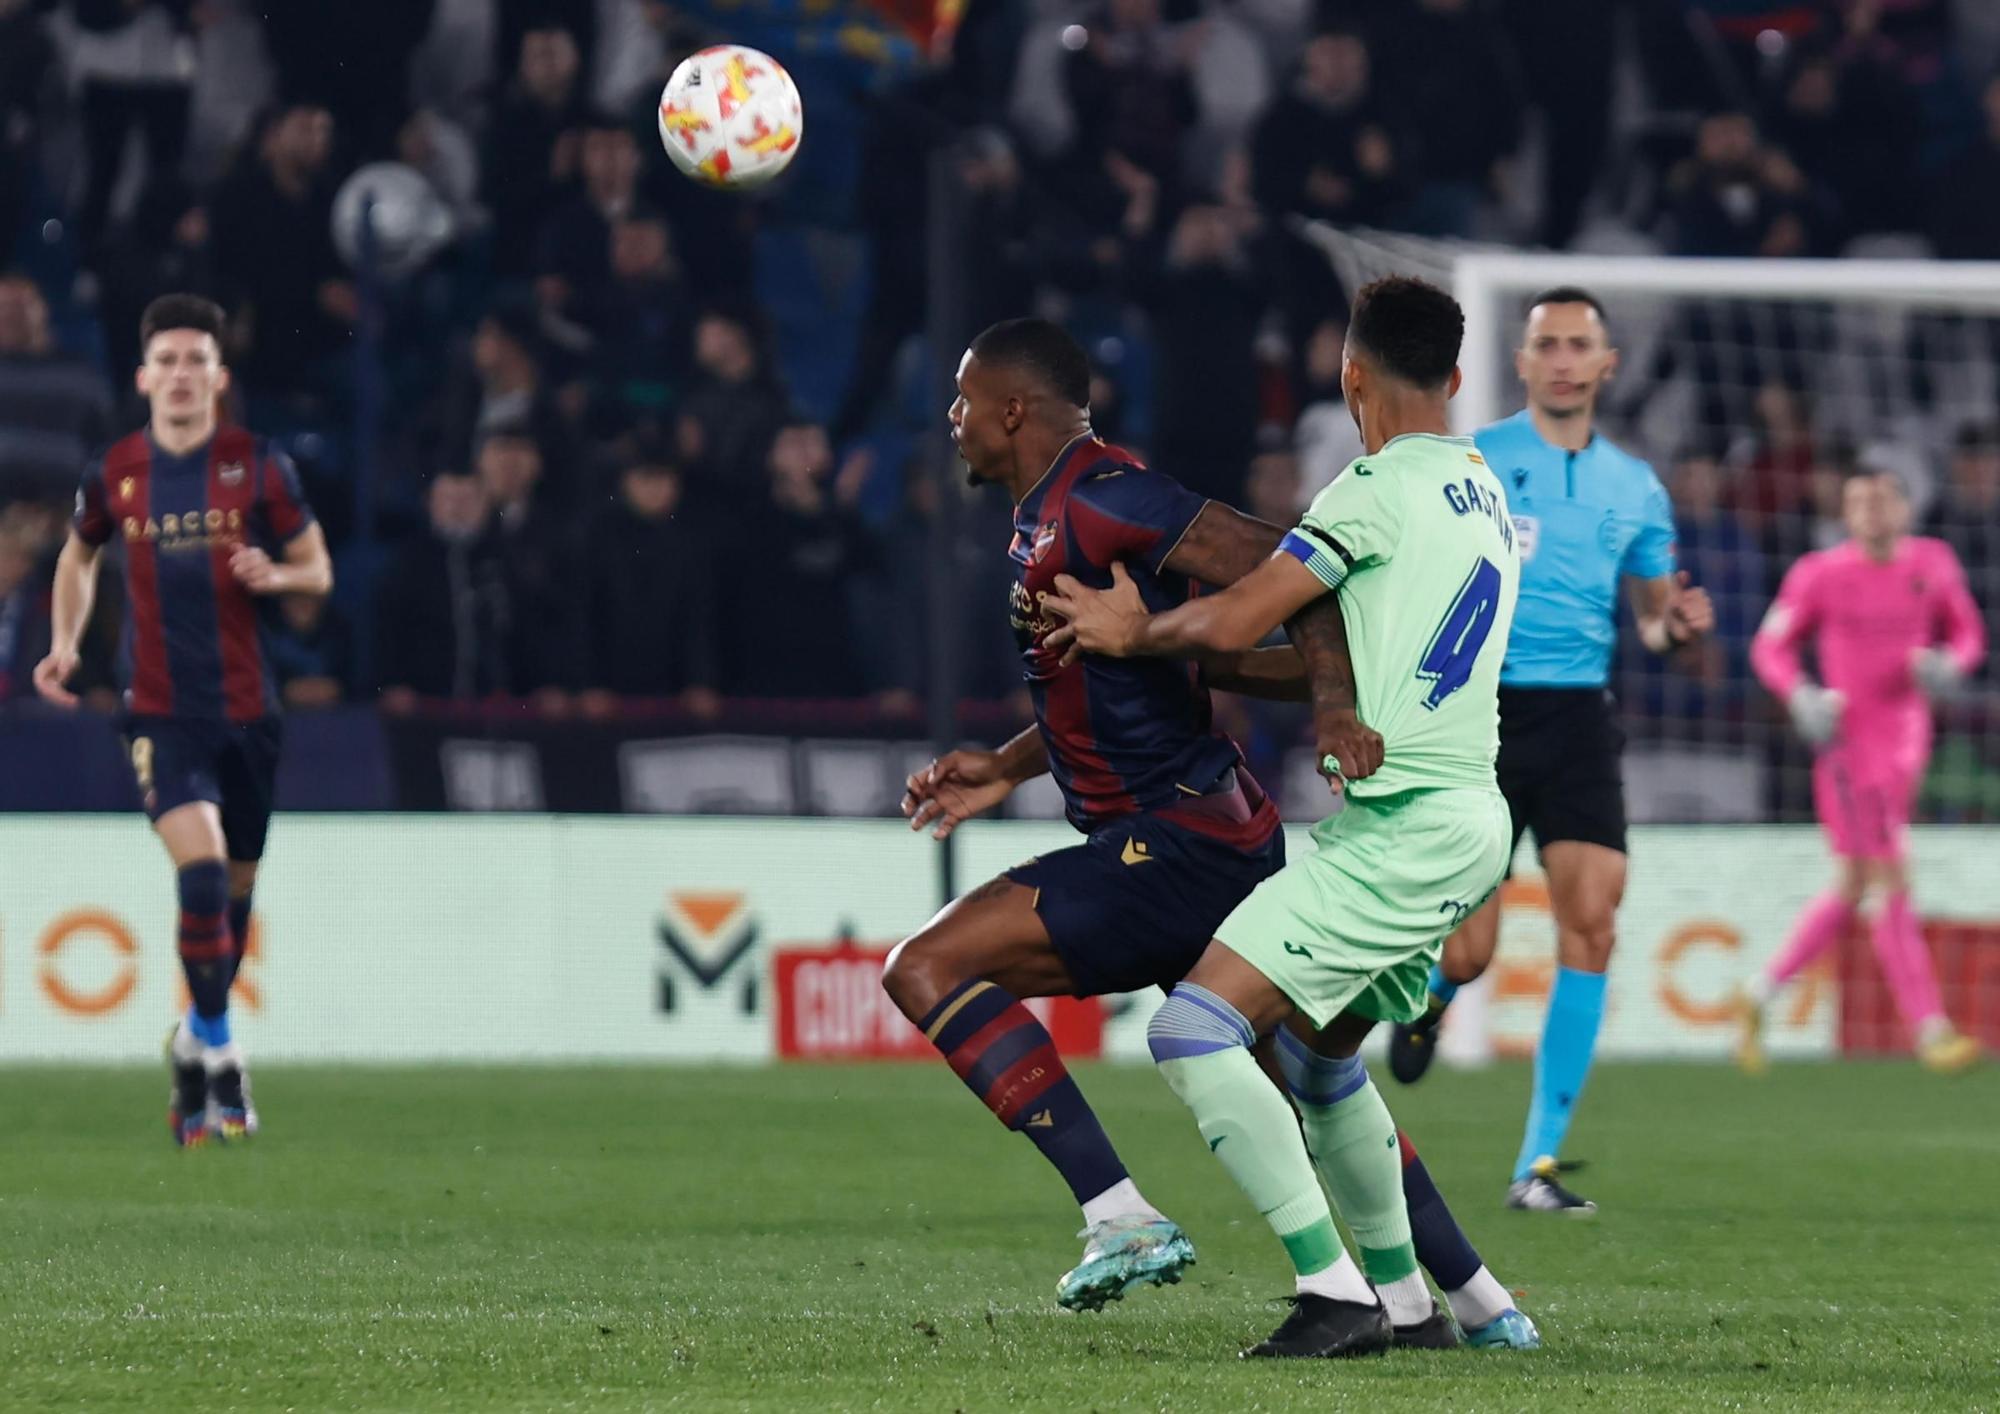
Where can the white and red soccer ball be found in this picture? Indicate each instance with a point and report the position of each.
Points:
(730, 117)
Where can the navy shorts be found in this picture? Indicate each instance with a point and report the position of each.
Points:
(1137, 904)
(232, 765)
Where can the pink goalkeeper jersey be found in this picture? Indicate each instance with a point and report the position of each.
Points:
(1866, 619)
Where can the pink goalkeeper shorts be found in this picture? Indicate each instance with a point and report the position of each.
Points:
(1865, 812)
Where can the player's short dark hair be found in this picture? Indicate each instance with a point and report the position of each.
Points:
(1567, 294)
(1410, 327)
(1042, 348)
(196, 312)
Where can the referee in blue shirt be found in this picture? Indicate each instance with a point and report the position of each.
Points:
(1587, 516)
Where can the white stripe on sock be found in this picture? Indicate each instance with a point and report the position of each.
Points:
(1408, 1300)
(1119, 1200)
(1481, 1301)
(1342, 1281)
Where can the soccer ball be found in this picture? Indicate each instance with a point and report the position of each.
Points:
(730, 117)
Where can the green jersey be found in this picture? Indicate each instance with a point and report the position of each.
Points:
(1418, 542)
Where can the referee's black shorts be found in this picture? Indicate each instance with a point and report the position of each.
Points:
(1559, 765)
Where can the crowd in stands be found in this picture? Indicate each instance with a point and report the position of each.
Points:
(607, 472)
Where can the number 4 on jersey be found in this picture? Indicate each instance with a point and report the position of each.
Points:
(1455, 647)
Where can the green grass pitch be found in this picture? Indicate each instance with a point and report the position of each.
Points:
(868, 1238)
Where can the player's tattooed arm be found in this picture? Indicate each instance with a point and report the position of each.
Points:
(1222, 545)
(1320, 634)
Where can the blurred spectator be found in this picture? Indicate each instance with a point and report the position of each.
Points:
(28, 74)
(1455, 71)
(727, 421)
(539, 631)
(1716, 552)
(1568, 53)
(1325, 150)
(894, 204)
(447, 157)
(54, 412)
(1325, 436)
(352, 59)
(1129, 87)
(133, 62)
(636, 316)
(1965, 206)
(649, 603)
(1851, 125)
(1272, 489)
(792, 624)
(573, 257)
(532, 146)
(1776, 483)
(515, 21)
(1734, 197)
(311, 651)
(164, 248)
(1206, 303)
(440, 609)
(498, 383)
(1966, 516)
(273, 227)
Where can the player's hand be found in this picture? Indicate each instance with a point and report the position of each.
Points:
(1937, 672)
(1816, 712)
(1690, 612)
(954, 788)
(256, 571)
(52, 672)
(1349, 749)
(1095, 620)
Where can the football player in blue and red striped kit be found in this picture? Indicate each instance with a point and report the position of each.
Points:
(212, 526)
(1178, 832)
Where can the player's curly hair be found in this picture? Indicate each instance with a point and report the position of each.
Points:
(1043, 349)
(180, 311)
(1410, 327)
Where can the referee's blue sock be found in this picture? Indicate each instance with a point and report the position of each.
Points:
(1442, 989)
(1562, 1064)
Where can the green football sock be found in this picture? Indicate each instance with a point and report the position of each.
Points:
(1353, 1141)
(1250, 1128)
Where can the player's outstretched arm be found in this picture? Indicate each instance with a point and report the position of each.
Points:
(1114, 621)
(1672, 613)
(961, 784)
(75, 591)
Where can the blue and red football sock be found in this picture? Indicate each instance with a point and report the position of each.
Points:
(206, 948)
(1007, 1058)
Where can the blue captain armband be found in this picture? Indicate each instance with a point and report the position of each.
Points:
(1326, 557)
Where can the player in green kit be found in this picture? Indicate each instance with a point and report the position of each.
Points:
(1416, 540)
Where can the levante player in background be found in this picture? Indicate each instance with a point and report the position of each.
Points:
(1892, 625)
(213, 526)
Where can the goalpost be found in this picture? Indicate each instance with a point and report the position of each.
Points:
(1752, 386)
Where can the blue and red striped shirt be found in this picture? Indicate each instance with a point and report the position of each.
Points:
(195, 637)
(1124, 735)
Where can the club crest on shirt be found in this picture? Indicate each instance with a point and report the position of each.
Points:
(1045, 538)
(231, 474)
(125, 485)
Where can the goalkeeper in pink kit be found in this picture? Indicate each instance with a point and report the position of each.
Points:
(1892, 626)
